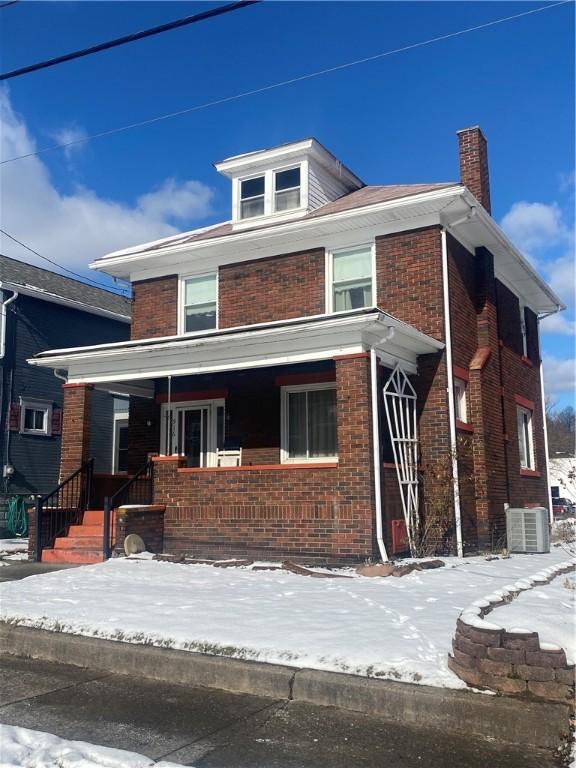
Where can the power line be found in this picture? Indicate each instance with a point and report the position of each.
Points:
(129, 38)
(281, 84)
(11, 2)
(60, 266)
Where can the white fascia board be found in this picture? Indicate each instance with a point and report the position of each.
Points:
(53, 298)
(250, 349)
(401, 208)
(532, 288)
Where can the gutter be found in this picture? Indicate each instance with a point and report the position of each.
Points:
(5, 305)
(545, 429)
(451, 412)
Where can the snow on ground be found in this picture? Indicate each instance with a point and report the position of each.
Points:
(13, 549)
(397, 628)
(549, 609)
(24, 748)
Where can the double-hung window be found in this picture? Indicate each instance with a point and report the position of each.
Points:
(35, 418)
(252, 197)
(525, 437)
(309, 423)
(287, 189)
(460, 409)
(199, 303)
(352, 279)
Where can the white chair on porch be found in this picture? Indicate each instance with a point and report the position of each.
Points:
(229, 458)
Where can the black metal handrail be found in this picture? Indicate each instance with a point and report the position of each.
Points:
(138, 490)
(63, 507)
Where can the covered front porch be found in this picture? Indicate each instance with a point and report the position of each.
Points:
(266, 441)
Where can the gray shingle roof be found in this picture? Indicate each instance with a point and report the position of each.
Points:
(27, 275)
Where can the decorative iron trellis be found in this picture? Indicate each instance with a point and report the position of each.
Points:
(400, 404)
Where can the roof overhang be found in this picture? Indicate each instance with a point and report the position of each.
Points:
(292, 341)
(42, 295)
(437, 208)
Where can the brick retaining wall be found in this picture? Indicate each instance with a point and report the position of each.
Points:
(511, 662)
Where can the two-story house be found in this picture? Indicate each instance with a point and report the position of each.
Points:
(303, 374)
(40, 309)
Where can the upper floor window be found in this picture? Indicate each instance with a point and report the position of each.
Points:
(460, 409)
(199, 303)
(287, 189)
(252, 197)
(35, 417)
(525, 437)
(351, 283)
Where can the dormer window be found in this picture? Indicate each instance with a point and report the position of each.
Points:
(252, 197)
(287, 189)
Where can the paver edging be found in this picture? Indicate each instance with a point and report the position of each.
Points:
(517, 663)
(539, 724)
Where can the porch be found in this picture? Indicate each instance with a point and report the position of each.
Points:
(263, 442)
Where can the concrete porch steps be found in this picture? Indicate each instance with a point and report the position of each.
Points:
(82, 544)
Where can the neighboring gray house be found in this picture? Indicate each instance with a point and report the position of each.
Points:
(42, 310)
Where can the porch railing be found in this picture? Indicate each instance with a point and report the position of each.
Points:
(63, 507)
(138, 490)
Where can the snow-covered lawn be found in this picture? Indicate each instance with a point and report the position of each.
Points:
(549, 609)
(13, 549)
(398, 628)
(23, 748)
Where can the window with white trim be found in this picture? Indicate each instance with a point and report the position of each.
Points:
(351, 279)
(252, 197)
(460, 406)
(309, 431)
(35, 418)
(287, 189)
(199, 303)
(525, 437)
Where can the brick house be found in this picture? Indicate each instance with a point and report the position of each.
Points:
(298, 374)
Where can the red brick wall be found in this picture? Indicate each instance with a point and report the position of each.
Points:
(520, 377)
(75, 428)
(278, 288)
(313, 513)
(155, 307)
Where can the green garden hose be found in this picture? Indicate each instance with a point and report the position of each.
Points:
(16, 517)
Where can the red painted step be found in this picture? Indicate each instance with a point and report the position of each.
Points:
(93, 517)
(78, 542)
(85, 530)
(80, 557)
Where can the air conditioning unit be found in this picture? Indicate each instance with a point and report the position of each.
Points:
(527, 530)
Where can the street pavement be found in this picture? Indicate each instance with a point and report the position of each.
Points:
(208, 728)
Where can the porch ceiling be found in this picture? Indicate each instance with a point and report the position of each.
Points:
(257, 346)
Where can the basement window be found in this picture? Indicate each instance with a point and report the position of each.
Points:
(525, 438)
(199, 303)
(309, 423)
(36, 418)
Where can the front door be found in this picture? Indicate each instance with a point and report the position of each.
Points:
(192, 436)
(195, 431)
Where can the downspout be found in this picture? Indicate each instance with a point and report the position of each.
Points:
(376, 449)
(451, 411)
(545, 427)
(5, 305)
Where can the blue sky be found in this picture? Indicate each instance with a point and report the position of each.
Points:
(392, 120)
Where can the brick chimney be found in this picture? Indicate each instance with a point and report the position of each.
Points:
(473, 152)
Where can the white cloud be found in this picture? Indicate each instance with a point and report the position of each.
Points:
(562, 277)
(559, 375)
(532, 226)
(71, 135)
(559, 323)
(73, 229)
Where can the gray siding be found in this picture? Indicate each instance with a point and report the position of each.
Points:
(323, 187)
(33, 326)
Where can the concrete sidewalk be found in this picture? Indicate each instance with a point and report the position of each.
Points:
(208, 728)
(14, 570)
